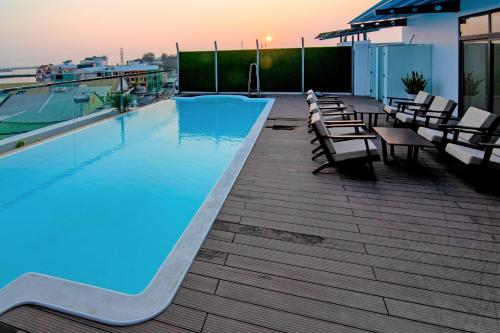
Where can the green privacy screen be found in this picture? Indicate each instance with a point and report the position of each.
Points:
(233, 69)
(326, 69)
(198, 71)
(280, 70)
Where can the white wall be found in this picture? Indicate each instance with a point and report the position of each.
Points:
(361, 68)
(441, 30)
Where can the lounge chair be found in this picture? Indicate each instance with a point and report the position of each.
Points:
(337, 113)
(311, 99)
(321, 97)
(475, 126)
(485, 155)
(396, 104)
(344, 148)
(438, 112)
(331, 121)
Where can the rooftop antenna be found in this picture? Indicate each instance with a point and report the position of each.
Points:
(242, 45)
(121, 56)
(411, 40)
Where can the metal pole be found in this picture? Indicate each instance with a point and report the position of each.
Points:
(216, 69)
(257, 75)
(178, 68)
(303, 66)
(121, 95)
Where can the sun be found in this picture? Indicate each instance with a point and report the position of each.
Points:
(269, 38)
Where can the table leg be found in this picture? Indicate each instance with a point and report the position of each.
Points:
(415, 154)
(370, 121)
(409, 157)
(384, 150)
(375, 123)
(392, 151)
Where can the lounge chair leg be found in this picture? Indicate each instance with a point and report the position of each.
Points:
(316, 149)
(318, 155)
(323, 166)
(310, 131)
(314, 140)
(372, 170)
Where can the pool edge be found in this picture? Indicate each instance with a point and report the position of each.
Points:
(120, 309)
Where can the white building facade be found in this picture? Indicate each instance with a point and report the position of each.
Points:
(473, 55)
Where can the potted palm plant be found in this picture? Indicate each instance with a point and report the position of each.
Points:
(414, 82)
(117, 101)
(470, 87)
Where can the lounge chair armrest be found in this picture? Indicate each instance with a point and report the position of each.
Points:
(331, 107)
(354, 121)
(412, 104)
(436, 117)
(490, 145)
(348, 125)
(326, 98)
(392, 99)
(352, 136)
(338, 114)
(457, 127)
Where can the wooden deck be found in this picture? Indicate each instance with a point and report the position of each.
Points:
(291, 252)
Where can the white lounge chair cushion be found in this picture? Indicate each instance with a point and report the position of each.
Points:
(404, 117)
(433, 135)
(423, 97)
(439, 106)
(471, 156)
(475, 117)
(390, 109)
(315, 117)
(408, 118)
(350, 149)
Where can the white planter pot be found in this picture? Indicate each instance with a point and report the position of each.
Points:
(412, 96)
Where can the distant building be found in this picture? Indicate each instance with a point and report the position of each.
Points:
(94, 61)
(44, 73)
(97, 67)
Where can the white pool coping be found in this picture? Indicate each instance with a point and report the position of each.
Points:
(114, 308)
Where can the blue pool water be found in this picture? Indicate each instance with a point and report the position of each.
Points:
(105, 205)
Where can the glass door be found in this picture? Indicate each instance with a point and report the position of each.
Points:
(480, 61)
(496, 75)
(475, 74)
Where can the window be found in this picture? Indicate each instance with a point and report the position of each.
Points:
(495, 22)
(474, 25)
(474, 73)
(480, 62)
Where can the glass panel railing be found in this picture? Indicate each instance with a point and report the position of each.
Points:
(24, 109)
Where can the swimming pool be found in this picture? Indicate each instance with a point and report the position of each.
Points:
(105, 221)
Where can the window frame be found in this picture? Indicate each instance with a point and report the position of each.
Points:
(488, 38)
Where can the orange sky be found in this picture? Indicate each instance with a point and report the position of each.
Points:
(42, 31)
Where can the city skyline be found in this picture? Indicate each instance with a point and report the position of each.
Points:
(43, 31)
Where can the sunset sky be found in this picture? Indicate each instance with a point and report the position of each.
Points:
(41, 31)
